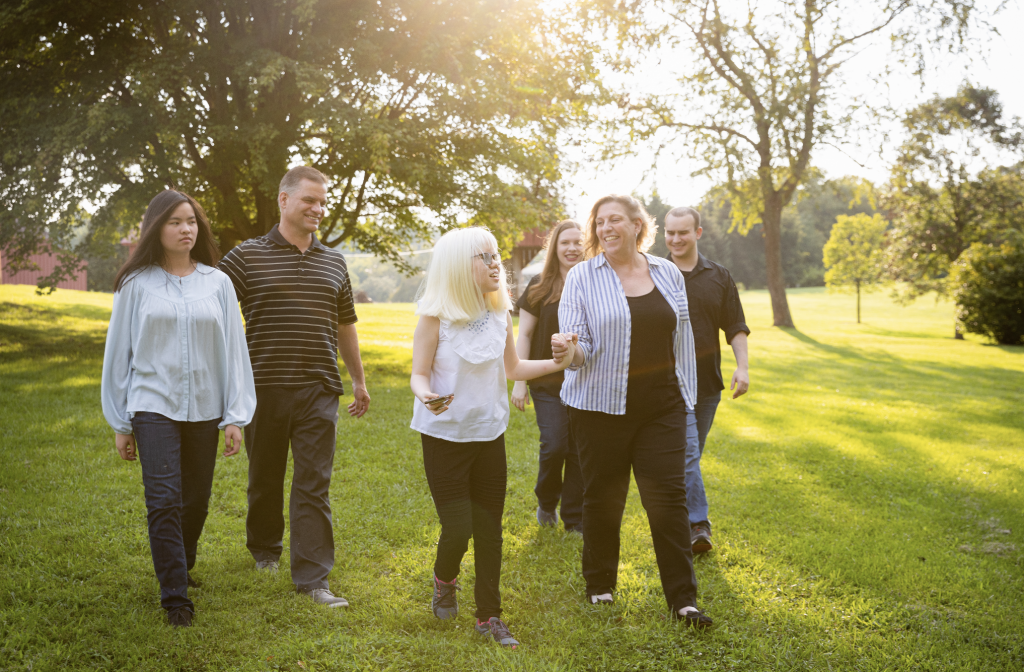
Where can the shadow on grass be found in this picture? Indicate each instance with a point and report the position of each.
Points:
(27, 332)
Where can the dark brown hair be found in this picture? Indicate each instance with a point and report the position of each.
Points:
(635, 209)
(549, 288)
(150, 251)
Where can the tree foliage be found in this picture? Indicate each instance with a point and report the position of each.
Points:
(424, 113)
(988, 287)
(853, 254)
(944, 194)
(806, 224)
(760, 86)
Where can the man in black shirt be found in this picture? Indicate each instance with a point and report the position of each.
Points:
(714, 304)
(299, 314)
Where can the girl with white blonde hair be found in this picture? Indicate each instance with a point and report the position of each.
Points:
(463, 351)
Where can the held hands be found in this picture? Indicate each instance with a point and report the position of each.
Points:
(563, 348)
(520, 397)
(125, 444)
(439, 407)
(232, 440)
(740, 383)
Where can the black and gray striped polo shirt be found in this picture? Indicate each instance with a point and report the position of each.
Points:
(293, 303)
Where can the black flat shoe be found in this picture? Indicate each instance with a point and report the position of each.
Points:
(695, 619)
(192, 583)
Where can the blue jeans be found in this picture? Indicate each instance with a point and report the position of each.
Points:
(556, 451)
(177, 461)
(696, 499)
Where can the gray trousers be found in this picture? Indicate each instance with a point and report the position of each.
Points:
(307, 418)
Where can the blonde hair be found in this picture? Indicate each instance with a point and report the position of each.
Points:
(450, 291)
(635, 210)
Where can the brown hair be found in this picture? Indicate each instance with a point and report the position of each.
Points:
(682, 212)
(549, 288)
(293, 177)
(150, 251)
(635, 209)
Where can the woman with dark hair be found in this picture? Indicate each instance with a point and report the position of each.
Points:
(175, 371)
(538, 322)
(628, 391)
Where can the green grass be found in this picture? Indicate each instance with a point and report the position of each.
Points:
(867, 497)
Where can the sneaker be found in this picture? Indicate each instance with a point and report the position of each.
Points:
(700, 538)
(694, 617)
(192, 583)
(444, 603)
(546, 518)
(324, 597)
(602, 599)
(180, 617)
(496, 629)
(267, 566)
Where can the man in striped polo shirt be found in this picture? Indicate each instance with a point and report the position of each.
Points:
(299, 314)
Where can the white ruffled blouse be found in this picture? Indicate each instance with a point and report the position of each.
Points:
(469, 363)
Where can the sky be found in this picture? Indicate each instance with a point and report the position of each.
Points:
(997, 64)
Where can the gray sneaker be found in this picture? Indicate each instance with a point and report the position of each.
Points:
(700, 538)
(267, 566)
(546, 518)
(444, 603)
(325, 597)
(496, 629)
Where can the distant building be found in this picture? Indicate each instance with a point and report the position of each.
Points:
(522, 254)
(44, 263)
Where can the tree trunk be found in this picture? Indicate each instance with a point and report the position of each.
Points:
(772, 219)
(858, 302)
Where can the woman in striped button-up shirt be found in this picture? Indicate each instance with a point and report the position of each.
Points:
(628, 392)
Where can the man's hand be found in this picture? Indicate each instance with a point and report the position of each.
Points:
(740, 383)
(520, 396)
(232, 440)
(125, 444)
(361, 404)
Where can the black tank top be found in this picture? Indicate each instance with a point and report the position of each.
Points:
(652, 362)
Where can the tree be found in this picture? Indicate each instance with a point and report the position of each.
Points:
(943, 194)
(425, 114)
(853, 253)
(988, 286)
(760, 87)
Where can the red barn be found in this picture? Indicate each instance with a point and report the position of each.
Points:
(45, 264)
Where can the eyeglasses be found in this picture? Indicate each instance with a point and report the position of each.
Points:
(488, 257)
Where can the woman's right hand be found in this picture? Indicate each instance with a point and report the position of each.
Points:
(436, 410)
(520, 396)
(125, 444)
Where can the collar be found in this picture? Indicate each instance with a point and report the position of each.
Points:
(702, 262)
(276, 236)
(601, 260)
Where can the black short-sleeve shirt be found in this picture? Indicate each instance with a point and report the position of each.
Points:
(540, 343)
(714, 304)
(293, 303)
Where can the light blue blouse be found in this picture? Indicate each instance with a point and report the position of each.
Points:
(176, 346)
(594, 306)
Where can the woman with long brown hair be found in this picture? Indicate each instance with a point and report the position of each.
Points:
(538, 321)
(175, 371)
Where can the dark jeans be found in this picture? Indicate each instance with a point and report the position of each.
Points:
(177, 461)
(467, 482)
(556, 451)
(653, 442)
(306, 417)
(696, 499)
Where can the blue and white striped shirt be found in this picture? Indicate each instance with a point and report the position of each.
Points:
(594, 306)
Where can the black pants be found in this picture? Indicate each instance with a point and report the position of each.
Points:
(557, 451)
(467, 482)
(307, 417)
(653, 442)
(177, 472)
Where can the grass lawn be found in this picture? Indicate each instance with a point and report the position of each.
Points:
(867, 497)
